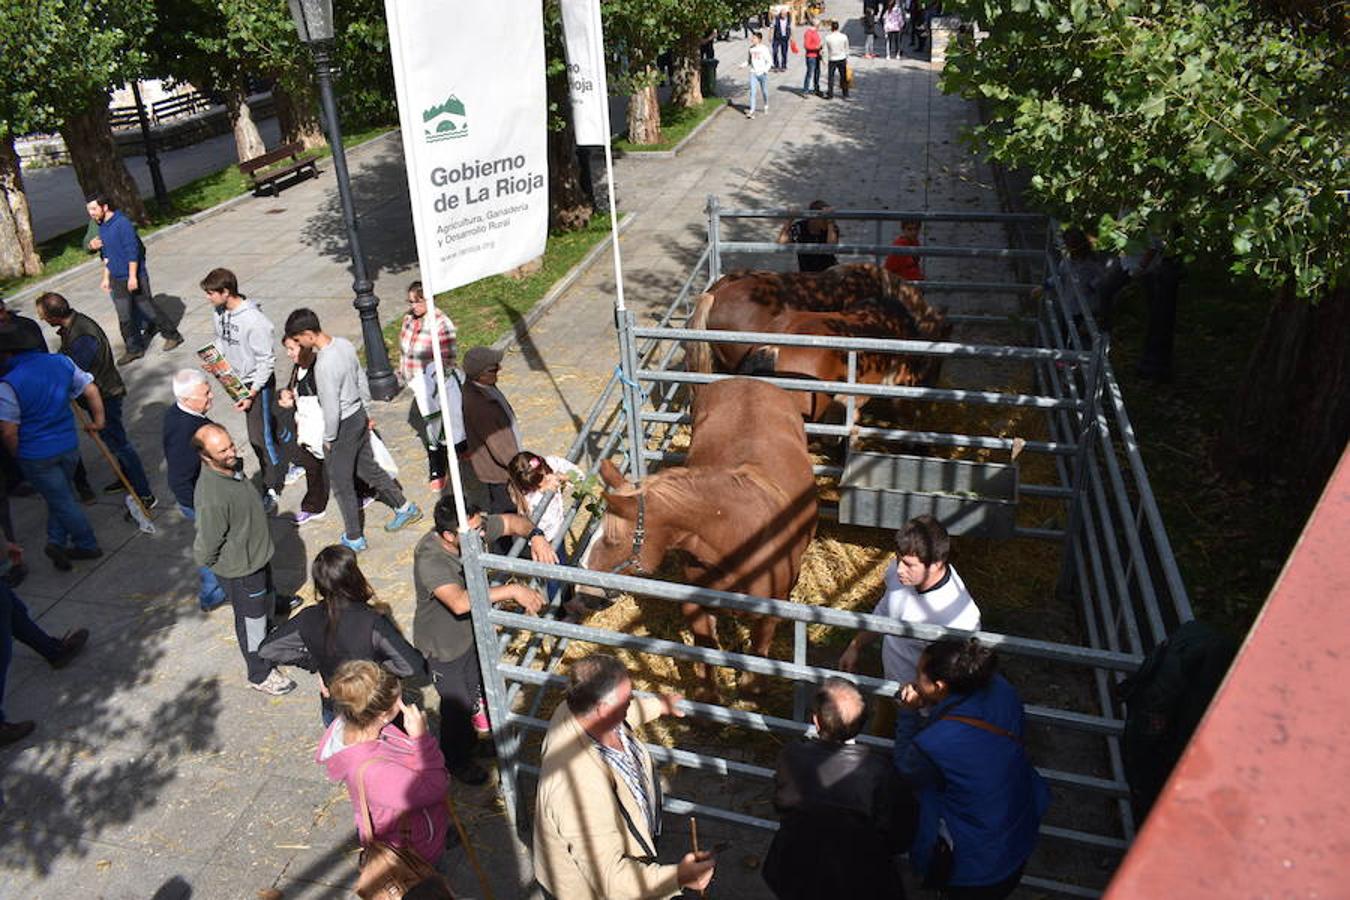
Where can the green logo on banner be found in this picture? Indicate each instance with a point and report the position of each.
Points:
(445, 121)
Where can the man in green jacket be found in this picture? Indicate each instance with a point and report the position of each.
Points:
(235, 542)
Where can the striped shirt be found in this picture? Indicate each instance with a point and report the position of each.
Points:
(627, 764)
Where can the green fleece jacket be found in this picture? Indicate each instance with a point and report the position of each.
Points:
(233, 537)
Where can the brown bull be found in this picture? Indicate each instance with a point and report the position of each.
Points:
(844, 301)
(741, 512)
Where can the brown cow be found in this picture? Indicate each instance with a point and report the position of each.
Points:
(742, 510)
(844, 301)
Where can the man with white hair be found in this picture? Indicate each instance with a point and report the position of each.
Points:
(192, 396)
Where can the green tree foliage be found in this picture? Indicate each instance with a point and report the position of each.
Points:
(61, 57)
(1219, 124)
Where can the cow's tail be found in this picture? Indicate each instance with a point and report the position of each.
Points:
(698, 355)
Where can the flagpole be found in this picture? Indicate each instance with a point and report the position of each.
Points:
(411, 148)
(619, 304)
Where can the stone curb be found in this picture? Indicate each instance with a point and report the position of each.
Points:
(684, 141)
(46, 284)
(559, 288)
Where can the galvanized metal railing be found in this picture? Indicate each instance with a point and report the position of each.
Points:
(1118, 566)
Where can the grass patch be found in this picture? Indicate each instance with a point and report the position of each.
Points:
(65, 251)
(676, 123)
(489, 308)
(1231, 537)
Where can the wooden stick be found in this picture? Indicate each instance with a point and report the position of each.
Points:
(107, 454)
(693, 840)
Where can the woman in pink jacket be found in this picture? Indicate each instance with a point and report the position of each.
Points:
(403, 771)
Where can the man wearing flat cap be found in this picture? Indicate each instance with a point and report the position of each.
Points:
(490, 429)
(38, 429)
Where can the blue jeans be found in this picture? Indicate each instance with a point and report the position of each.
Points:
(114, 434)
(16, 624)
(812, 80)
(51, 477)
(763, 82)
(210, 593)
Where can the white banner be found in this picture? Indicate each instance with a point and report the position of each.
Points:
(472, 105)
(584, 41)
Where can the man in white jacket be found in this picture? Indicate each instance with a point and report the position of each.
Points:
(835, 54)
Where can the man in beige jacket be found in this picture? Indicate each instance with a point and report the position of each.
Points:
(598, 814)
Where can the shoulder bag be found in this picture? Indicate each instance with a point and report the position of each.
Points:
(943, 863)
(388, 872)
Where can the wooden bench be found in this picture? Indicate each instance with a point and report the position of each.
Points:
(179, 105)
(270, 168)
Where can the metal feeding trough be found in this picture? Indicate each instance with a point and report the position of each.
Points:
(884, 490)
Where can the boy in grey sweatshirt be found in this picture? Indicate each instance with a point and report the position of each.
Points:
(246, 339)
(343, 395)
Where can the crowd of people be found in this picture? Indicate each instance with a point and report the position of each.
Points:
(957, 792)
(825, 44)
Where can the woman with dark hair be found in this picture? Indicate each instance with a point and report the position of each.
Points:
(980, 800)
(341, 626)
(531, 478)
(417, 367)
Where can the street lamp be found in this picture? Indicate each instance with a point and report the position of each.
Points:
(314, 24)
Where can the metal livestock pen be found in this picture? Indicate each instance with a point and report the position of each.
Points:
(1116, 564)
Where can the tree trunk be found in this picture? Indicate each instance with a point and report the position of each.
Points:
(98, 167)
(248, 142)
(297, 116)
(688, 88)
(18, 249)
(644, 114)
(1291, 419)
(569, 208)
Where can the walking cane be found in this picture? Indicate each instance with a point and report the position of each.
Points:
(135, 506)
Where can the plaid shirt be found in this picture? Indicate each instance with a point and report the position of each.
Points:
(628, 765)
(414, 342)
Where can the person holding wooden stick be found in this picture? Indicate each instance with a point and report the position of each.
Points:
(598, 815)
(86, 343)
(37, 427)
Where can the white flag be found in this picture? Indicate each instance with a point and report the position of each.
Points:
(472, 104)
(584, 42)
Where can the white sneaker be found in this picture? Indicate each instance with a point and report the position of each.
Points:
(275, 684)
(294, 474)
(749, 115)
(766, 109)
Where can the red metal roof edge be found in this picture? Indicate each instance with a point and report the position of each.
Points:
(1259, 804)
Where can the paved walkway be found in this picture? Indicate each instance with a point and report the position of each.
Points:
(154, 771)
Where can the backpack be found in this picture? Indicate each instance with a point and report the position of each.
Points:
(1164, 702)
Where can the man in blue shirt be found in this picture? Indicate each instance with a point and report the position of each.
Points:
(83, 340)
(38, 428)
(125, 277)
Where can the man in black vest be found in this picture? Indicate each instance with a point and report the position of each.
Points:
(87, 346)
(845, 814)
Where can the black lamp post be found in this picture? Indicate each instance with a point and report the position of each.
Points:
(151, 156)
(314, 23)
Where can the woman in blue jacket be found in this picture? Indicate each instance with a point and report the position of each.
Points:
(980, 800)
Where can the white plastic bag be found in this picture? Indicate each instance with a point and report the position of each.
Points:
(383, 458)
